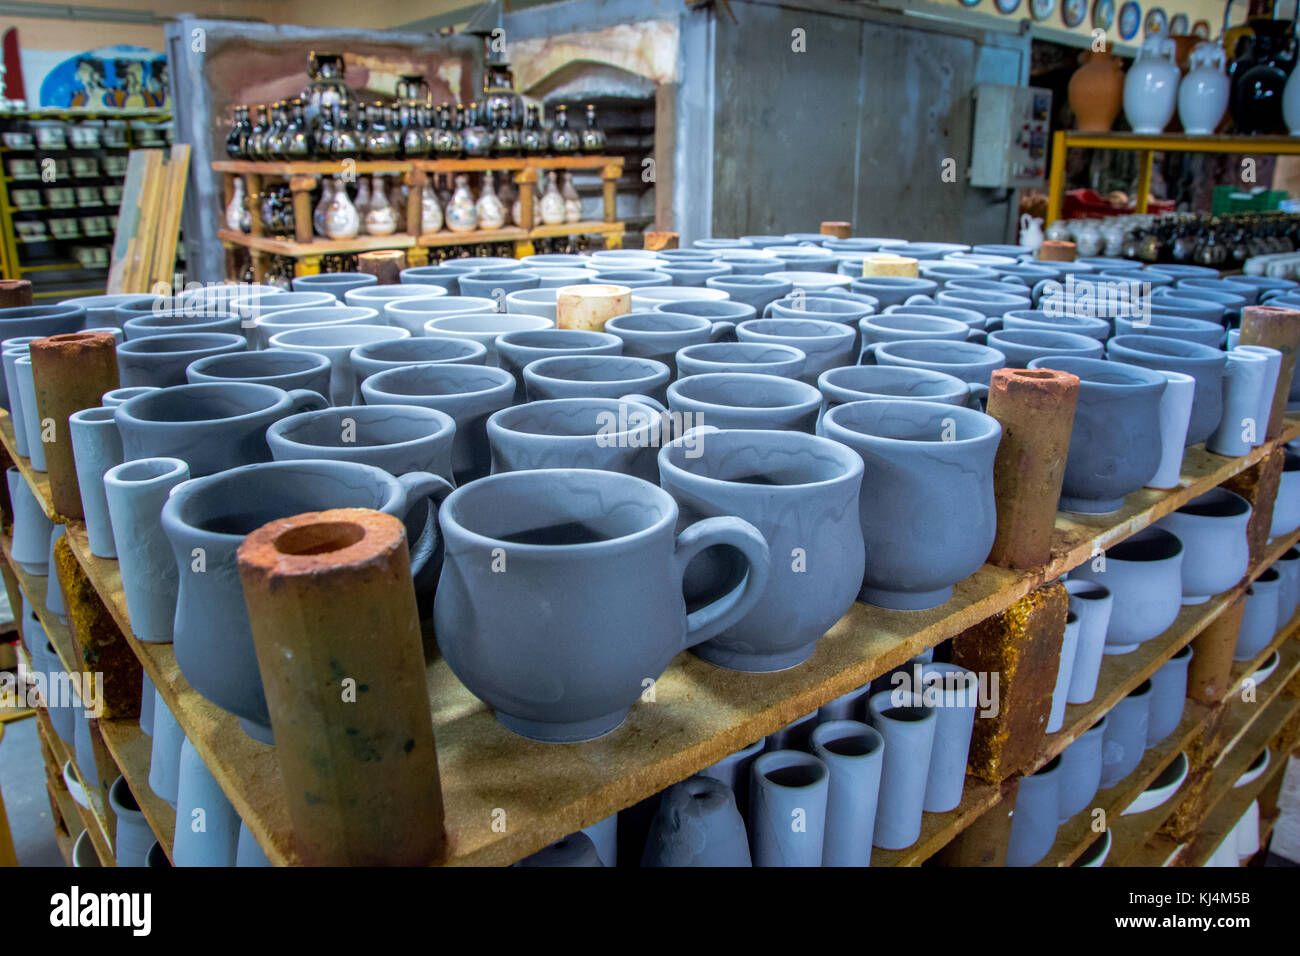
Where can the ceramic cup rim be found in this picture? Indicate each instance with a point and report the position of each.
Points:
(802, 395)
(503, 420)
(129, 409)
(446, 425)
(674, 453)
(986, 425)
(383, 397)
(315, 363)
(147, 345)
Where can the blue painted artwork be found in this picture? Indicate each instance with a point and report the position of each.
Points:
(110, 78)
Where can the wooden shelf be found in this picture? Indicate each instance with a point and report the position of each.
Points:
(317, 247)
(1076, 834)
(311, 167)
(448, 238)
(583, 228)
(98, 818)
(702, 713)
(939, 829)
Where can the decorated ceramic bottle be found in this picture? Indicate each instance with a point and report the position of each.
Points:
(430, 209)
(322, 208)
(381, 219)
(341, 219)
(362, 202)
(572, 201)
(552, 204)
(1151, 87)
(491, 214)
(462, 213)
(235, 208)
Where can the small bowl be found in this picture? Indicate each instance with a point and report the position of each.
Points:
(1268, 668)
(1253, 772)
(1164, 786)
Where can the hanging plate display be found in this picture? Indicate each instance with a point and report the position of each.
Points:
(1073, 12)
(1103, 14)
(1041, 9)
(1157, 21)
(1007, 6)
(1201, 29)
(1178, 25)
(1130, 20)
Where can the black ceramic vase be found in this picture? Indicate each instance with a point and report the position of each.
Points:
(1260, 75)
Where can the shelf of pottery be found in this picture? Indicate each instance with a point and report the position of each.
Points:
(306, 210)
(61, 189)
(949, 645)
(1249, 109)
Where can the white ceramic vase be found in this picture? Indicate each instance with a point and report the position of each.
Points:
(1203, 93)
(462, 212)
(1151, 87)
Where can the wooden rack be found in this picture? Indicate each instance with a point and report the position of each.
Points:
(703, 713)
(306, 248)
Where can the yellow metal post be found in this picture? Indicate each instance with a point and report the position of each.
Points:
(1056, 185)
(1144, 180)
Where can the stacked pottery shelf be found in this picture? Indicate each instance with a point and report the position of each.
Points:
(303, 177)
(701, 714)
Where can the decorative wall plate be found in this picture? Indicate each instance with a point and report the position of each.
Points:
(1041, 9)
(1007, 6)
(1103, 14)
(1073, 12)
(1157, 21)
(1201, 29)
(1178, 25)
(1130, 20)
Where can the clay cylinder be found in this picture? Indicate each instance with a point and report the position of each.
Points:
(840, 230)
(1276, 329)
(886, 264)
(385, 265)
(15, 292)
(70, 372)
(654, 241)
(1036, 410)
(587, 307)
(337, 635)
(1210, 674)
(1057, 250)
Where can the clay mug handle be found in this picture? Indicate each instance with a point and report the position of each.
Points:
(722, 332)
(976, 396)
(305, 400)
(665, 416)
(420, 485)
(868, 352)
(919, 300)
(728, 608)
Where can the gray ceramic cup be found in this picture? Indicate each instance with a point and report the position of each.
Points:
(540, 302)
(864, 383)
(212, 426)
(755, 291)
(119, 396)
(278, 367)
(213, 642)
(930, 518)
(595, 376)
(1115, 439)
(756, 357)
(744, 400)
(412, 314)
(516, 349)
(1021, 346)
(468, 393)
(484, 328)
(1207, 365)
(854, 754)
(378, 296)
(1144, 575)
(1044, 321)
(659, 335)
(296, 318)
(967, 361)
(1125, 739)
(161, 360)
(1168, 696)
(785, 785)
(716, 312)
(893, 290)
(433, 275)
(603, 433)
(396, 353)
(1034, 823)
(908, 727)
(496, 285)
(337, 343)
(560, 678)
(801, 493)
(396, 438)
(336, 283)
(175, 321)
(826, 344)
(635, 278)
(1081, 771)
